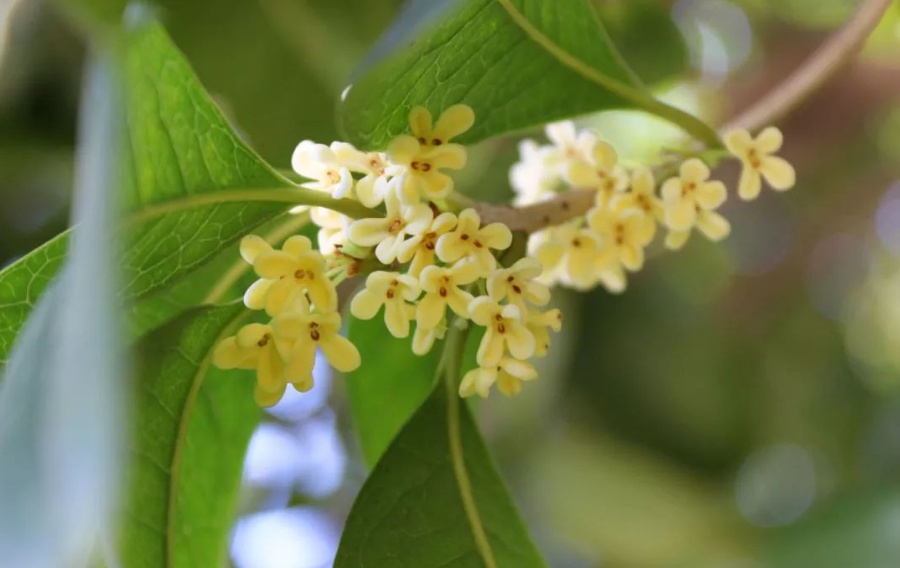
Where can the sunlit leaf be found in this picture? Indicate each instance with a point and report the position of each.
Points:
(192, 427)
(435, 499)
(517, 63)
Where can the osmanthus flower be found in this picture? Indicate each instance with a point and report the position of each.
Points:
(540, 324)
(308, 331)
(387, 233)
(574, 255)
(287, 275)
(625, 231)
(684, 197)
(420, 248)
(600, 171)
(508, 375)
(375, 184)
(421, 174)
(453, 121)
(710, 223)
(504, 331)
(758, 160)
(569, 145)
(393, 291)
(641, 194)
(518, 284)
(319, 163)
(257, 347)
(332, 228)
(533, 178)
(469, 240)
(441, 285)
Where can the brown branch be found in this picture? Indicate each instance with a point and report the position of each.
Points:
(821, 66)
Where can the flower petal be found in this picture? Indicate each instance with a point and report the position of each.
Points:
(341, 353)
(769, 140)
(749, 184)
(365, 304)
(453, 121)
(778, 173)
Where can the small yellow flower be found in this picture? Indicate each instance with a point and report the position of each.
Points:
(309, 331)
(472, 241)
(518, 284)
(533, 178)
(508, 374)
(318, 163)
(686, 196)
(422, 175)
(710, 223)
(420, 249)
(441, 285)
(642, 195)
(453, 121)
(569, 145)
(574, 256)
(504, 331)
(375, 184)
(256, 347)
(540, 324)
(601, 172)
(759, 161)
(387, 233)
(391, 290)
(625, 230)
(286, 275)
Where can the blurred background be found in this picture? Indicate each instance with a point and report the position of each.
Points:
(738, 406)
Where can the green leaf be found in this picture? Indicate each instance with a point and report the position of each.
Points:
(61, 398)
(193, 425)
(435, 499)
(517, 63)
(21, 283)
(388, 387)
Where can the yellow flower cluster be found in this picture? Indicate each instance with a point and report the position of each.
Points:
(609, 241)
(296, 292)
(430, 259)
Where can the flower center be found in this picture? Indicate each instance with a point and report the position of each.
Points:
(314, 331)
(333, 176)
(420, 166)
(301, 274)
(264, 340)
(395, 225)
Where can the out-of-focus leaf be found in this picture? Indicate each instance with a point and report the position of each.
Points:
(860, 531)
(388, 387)
(192, 427)
(61, 398)
(631, 23)
(517, 63)
(436, 499)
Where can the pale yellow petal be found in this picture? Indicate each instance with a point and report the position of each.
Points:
(275, 264)
(297, 245)
(396, 318)
(365, 304)
(582, 174)
(282, 296)
(676, 239)
(778, 173)
(605, 155)
(228, 355)
(482, 310)
(270, 368)
(520, 341)
(252, 246)
(298, 370)
(681, 215)
(420, 123)
(713, 225)
(490, 350)
(430, 310)
(496, 236)
(268, 398)
(769, 140)
(255, 296)
(341, 353)
(749, 184)
(453, 121)
(738, 142)
(711, 194)
(368, 232)
(403, 149)
(477, 381)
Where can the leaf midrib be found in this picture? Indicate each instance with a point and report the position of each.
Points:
(181, 437)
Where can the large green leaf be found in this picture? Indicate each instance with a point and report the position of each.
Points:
(388, 387)
(192, 427)
(517, 63)
(435, 499)
(194, 186)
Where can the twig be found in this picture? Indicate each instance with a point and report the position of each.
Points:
(821, 66)
(837, 51)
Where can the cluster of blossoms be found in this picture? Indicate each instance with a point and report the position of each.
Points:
(436, 267)
(610, 239)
